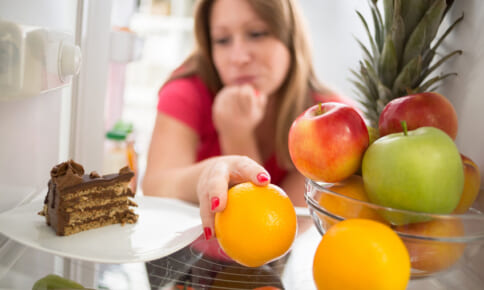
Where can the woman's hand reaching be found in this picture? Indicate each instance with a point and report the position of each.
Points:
(215, 180)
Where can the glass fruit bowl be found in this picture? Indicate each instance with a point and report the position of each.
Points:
(437, 243)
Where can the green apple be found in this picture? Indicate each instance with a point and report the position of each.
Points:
(419, 170)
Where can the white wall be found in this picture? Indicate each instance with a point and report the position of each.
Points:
(334, 24)
(466, 91)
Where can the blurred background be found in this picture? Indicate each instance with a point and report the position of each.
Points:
(166, 29)
(125, 51)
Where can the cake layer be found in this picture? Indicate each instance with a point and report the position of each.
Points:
(129, 218)
(92, 202)
(77, 218)
(106, 191)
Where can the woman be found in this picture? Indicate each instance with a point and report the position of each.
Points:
(250, 76)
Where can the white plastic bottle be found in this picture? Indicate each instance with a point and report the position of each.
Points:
(115, 152)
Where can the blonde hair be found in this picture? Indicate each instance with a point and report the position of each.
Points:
(286, 24)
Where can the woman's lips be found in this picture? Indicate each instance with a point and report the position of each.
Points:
(244, 80)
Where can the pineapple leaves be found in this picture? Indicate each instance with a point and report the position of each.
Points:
(424, 32)
(449, 5)
(382, 93)
(378, 24)
(407, 77)
(413, 11)
(400, 57)
(434, 80)
(398, 30)
(369, 91)
(374, 91)
(365, 50)
(385, 97)
(429, 70)
(362, 89)
(429, 54)
(388, 11)
(371, 72)
(374, 48)
(388, 63)
(360, 78)
(447, 31)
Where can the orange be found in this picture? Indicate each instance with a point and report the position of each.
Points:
(353, 188)
(472, 185)
(257, 225)
(433, 255)
(361, 254)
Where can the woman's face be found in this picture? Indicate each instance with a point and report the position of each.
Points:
(243, 49)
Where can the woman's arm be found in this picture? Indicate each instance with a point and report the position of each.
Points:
(171, 170)
(294, 186)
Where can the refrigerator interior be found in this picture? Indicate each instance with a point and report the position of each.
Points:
(57, 118)
(35, 135)
(70, 121)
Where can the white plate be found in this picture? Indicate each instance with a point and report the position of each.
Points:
(164, 226)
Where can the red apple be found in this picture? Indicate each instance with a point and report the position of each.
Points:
(327, 142)
(472, 183)
(419, 110)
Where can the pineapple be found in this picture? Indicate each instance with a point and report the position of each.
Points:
(400, 58)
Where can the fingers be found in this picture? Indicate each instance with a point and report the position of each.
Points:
(244, 169)
(239, 99)
(214, 183)
(247, 98)
(255, 101)
(222, 103)
(261, 100)
(238, 109)
(212, 193)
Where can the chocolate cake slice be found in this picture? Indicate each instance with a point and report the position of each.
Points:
(78, 202)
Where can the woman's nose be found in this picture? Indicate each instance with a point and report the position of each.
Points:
(240, 52)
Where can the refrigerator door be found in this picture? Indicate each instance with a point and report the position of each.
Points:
(33, 95)
(50, 111)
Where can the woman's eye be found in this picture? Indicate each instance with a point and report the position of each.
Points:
(258, 34)
(221, 40)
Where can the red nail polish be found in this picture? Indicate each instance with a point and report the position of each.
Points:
(262, 177)
(215, 202)
(208, 233)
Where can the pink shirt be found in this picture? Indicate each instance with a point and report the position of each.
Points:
(190, 101)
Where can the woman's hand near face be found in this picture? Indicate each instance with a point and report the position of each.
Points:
(236, 112)
(216, 178)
